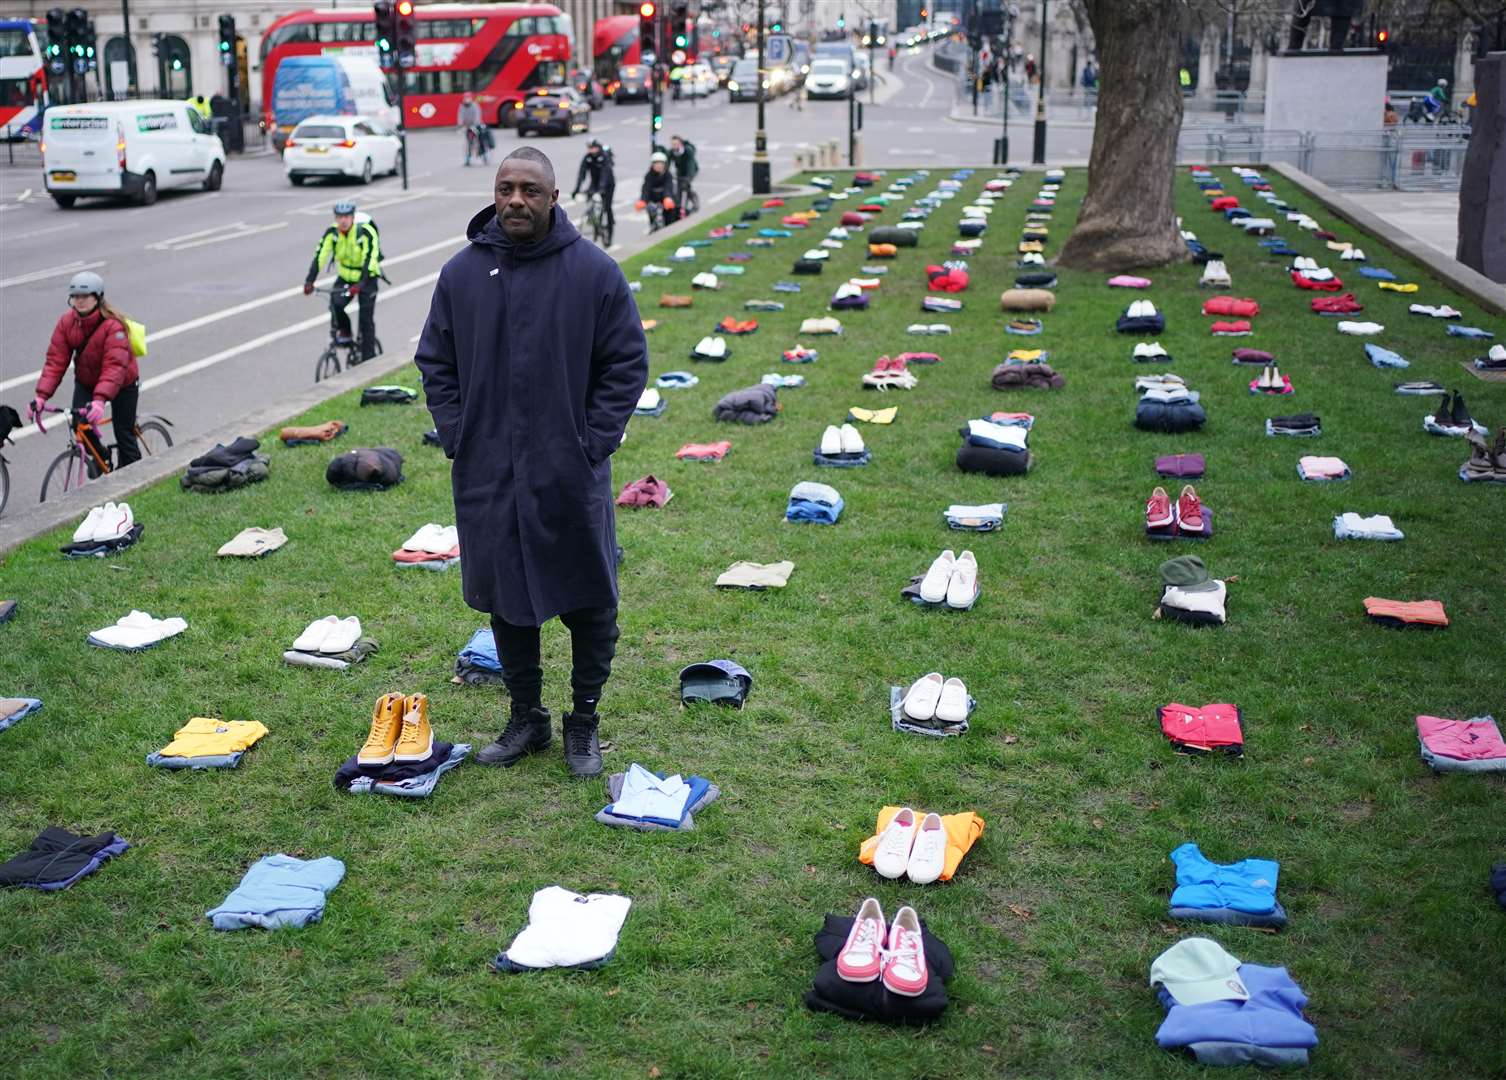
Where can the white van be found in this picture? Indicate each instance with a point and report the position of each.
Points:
(306, 86)
(128, 148)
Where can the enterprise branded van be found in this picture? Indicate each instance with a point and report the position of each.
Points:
(128, 149)
(306, 86)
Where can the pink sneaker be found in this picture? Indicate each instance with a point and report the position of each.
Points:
(861, 958)
(905, 966)
(1189, 511)
(1158, 509)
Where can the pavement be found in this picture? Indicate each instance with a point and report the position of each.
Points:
(1430, 216)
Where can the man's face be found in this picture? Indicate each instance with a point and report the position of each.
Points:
(676, 144)
(343, 222)
(524, 199)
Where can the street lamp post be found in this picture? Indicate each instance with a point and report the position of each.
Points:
(761, 184)
(1011, 13)
(1038, 157)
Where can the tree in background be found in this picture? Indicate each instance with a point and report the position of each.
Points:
(1128, 218)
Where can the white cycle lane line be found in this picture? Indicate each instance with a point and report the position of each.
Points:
(153, 338)
(322, 319)
(215, 234)
(52, 271)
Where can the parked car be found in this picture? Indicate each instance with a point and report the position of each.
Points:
(721, 67)
(561, 111)
(128, 148)
(829, 77)
(634, 82)
(588, 87)
(341, 146)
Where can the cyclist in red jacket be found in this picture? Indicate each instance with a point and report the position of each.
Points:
(92, 336)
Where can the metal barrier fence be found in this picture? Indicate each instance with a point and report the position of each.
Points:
(1406, 158)
(21, 148)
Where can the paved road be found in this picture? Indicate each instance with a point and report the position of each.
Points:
(215, 277)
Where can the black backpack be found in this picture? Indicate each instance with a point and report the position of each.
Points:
(9, 421)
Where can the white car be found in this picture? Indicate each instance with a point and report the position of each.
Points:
(341, 146)
(698, 81)
(128, 148)
(829, 77)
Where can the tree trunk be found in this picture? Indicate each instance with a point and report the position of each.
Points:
(1128, 218)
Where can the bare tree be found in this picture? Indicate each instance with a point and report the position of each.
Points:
(1128, 218)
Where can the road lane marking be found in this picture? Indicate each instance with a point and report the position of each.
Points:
(42, 232)
(52, 271)
(249, 305)
(210, 361)
(222, 234)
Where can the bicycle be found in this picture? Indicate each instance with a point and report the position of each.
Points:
(655, 217)
(329, 360)
(82, 462)
(596, 219)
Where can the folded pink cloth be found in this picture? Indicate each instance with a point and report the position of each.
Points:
(1129, 281)
(1461, 739)
(1323, 466)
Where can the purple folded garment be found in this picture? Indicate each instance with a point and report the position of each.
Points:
(1186, 465)
(1253, 356)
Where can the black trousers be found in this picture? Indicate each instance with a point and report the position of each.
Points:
(122, 421)
(593, 643)
(368, 298)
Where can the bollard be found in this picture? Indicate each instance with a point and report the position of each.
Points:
(857, 150)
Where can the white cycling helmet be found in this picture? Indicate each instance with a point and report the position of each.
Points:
(659, 156)
(86, 283)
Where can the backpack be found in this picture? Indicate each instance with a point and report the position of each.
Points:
(136, 335)
(363, 218)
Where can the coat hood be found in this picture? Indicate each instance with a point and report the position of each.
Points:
(486, 231)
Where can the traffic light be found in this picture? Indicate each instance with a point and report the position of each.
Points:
(842, 22)
(227, 40)
(1382, 38)
(658, 120)
(385, 14)
(648, 26)
(90, 60)
(56, 32)
(405, 35)
(78, 25)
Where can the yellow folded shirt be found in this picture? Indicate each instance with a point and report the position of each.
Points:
(874, 416)
(1026, 355)
(961, 832)
(205, 737)
(1028, 246)
(1339, 245)
(1398, 286)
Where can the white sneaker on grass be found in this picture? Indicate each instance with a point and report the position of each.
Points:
(831, 441)
(951, 707)
(315, 633)
(852, 442)
(89, 525)
(933, 587)
(962, 588)
(892, 855)
(928, 853)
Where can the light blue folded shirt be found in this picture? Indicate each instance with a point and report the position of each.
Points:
(279, 890)
(1248, 885)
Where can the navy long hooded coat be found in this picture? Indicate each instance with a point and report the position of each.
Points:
(533, 358)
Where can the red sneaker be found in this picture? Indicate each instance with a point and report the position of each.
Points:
(905, 963)
(861, 958)
(1158, 509)
(1189, 511)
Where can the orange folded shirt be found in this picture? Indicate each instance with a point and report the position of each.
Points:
(425, 556)
(962, 830)
(1424, 612)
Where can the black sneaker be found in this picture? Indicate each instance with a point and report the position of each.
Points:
(582, 750)
(1460, 414)
(527, 732)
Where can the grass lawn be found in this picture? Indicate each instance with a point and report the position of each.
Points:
(1059, 909)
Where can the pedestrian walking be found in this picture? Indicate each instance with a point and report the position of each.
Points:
(533, 358)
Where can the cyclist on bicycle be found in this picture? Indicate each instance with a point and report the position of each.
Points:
(659, 187)
(356, 250)
(476, 136)
(597, 168)
(92, 336)
(682, 158)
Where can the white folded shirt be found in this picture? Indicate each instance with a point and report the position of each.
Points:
(1008, 434)
(644, 795)
(138, 630)
(982, 510)
(566, 929)
(1360, 329)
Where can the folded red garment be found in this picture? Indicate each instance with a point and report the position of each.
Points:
(1231, 305)
(946, 279)
(852, 218)
(1337, 305)
(1324, 234)
(1238, 326)
(1333, 284)
(1213, 727)
(1223, 202)
(919, 358)
(425, 556)
(729, 325)
(794, 221)
(769, 204)
(1415, 612)
(704, 451)
(1253, 356)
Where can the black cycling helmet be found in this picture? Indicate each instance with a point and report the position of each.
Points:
(344, 207)
(594, 142)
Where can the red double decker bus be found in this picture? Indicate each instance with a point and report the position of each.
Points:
(615, 43)
(498, 52)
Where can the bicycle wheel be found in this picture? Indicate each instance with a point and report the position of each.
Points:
(327, 364)
(4, 485)
(152, 437)
(65, 469)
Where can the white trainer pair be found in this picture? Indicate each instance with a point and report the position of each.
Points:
(952, 579)
(104, 523)
(1141, 309)
(933, 698)
(912, 848)
(329, 635)
(841, 440)
(434, 539)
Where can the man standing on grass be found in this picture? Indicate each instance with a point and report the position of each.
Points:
(533, 358)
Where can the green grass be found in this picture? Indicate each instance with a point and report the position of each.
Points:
(1059, 909)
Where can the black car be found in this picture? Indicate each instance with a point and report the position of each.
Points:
(742, 81)
(587, 86)
(634, 82)
(561, 110)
